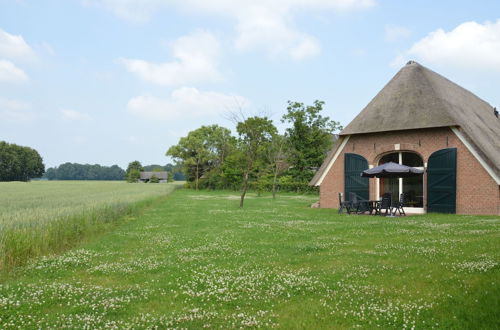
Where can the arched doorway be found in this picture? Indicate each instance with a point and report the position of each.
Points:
(412, 187)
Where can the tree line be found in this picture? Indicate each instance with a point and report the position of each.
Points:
(74, 171)
(18, 163)
(258, 157)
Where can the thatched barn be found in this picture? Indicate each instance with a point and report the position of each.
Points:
(161, 176)
(423, 120)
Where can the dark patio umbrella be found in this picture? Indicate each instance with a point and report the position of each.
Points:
(391, 170)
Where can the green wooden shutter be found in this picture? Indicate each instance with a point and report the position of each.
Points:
(442, 181)
(353, 182)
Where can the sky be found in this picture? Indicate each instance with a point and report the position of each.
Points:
(112, 81)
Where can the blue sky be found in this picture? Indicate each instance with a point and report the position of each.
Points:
(111, 81)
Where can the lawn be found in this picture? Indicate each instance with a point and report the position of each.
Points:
(194, 259)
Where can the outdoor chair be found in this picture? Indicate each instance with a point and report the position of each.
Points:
(385, 204)
(356, 205)
(398, 205)
(343, 204)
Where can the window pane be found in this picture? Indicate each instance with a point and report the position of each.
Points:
(411, 159)
(389, 185)
(394, 157)
(413, 190)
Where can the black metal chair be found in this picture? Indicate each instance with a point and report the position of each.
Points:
(343, 204)
(397, 206)
(385, 204)
(358, 206)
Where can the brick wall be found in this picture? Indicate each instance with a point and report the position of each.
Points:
(477, 192)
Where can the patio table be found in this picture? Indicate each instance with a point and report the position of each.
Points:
(371, 205)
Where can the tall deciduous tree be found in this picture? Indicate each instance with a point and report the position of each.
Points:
(255, 134)
(277, 153)
(311, 136)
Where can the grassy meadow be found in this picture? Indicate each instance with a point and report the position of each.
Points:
(194, 259)
(47, 216)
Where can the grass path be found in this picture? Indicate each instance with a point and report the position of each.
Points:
(195, 260)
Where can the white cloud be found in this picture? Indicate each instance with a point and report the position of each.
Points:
(260, 24)
(196, 61)
(9, 72)
(470, 45)
(185, 102)
(14, 47)
(15, 110)
(73, 115)
(261, 28)
(394, 33)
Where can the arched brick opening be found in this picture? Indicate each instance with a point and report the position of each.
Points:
(376, 159)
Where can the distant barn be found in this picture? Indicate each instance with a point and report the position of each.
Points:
(146, 176)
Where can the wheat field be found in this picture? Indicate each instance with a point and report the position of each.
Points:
(48, 216)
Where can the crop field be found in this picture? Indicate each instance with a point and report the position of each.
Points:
(44, 216)
(194, 259)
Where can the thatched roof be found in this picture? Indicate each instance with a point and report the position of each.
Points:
(417, 97)
(149, 175)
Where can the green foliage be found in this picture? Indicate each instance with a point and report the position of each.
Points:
(135, 165)
(133, 172)
(202, 150)
(19, 163)
(211, 158)
(310, 138)
(154, 179)
(74, 171)
(133, 175)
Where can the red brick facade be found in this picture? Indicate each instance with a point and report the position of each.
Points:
(477, 191)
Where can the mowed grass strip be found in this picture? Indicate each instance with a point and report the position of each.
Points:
(194, 259)
(40, 217)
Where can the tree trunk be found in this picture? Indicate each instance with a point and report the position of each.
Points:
(245, 187)
(245, 182)
(274, 180)
(197, 175)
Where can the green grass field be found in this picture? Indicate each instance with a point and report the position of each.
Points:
(193, 259)
(46, 216)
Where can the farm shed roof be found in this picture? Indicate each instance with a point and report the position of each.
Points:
(149, 175)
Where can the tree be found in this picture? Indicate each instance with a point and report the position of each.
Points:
(201, 151)
(133, 175)
(311, 136)
(18, 163)
(133, 171)
(255, 133)
(277, 157)
(154, 179)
